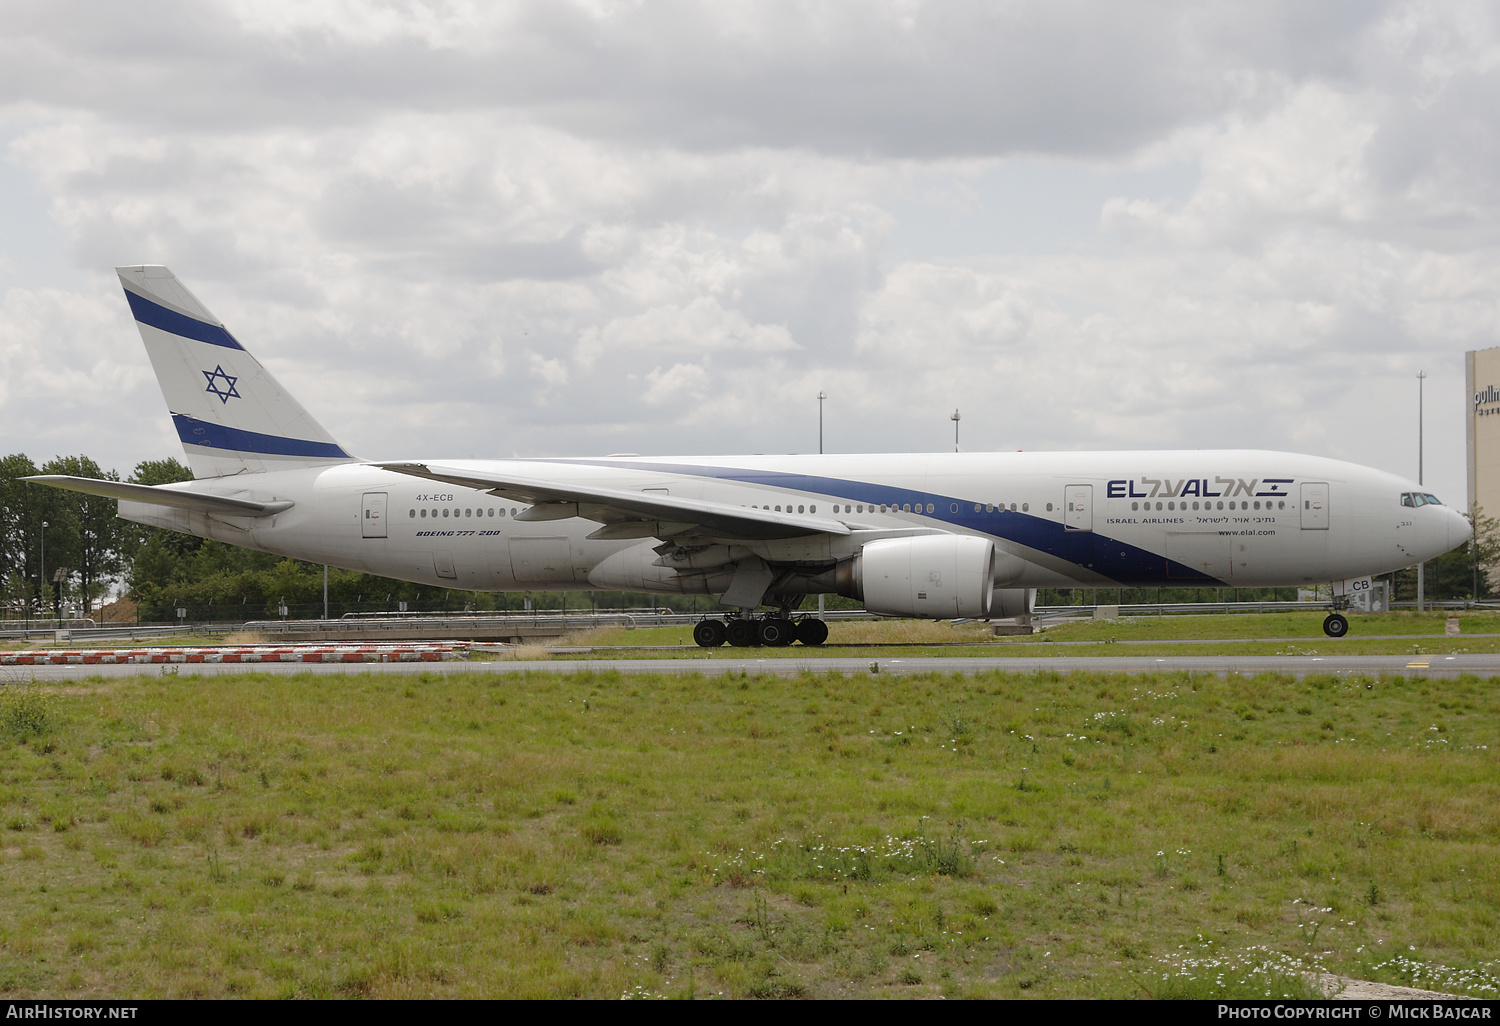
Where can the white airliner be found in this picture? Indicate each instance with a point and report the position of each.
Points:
(932, 535)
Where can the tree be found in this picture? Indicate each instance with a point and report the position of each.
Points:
(1483, 551)
(91, 529)
(17, 542)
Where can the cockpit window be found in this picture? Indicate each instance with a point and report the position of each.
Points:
(1406, 499)
(1419, 499)
(1432, 499)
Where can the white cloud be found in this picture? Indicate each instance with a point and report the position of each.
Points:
(574, 228)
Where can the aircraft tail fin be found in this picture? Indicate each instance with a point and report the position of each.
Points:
(233, 417)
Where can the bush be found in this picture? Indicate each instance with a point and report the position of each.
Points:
(27, 712)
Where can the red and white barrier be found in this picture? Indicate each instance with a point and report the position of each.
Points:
(395, 653)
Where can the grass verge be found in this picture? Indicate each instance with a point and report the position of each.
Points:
(628, 835)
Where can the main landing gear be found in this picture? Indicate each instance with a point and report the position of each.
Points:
(776, 631)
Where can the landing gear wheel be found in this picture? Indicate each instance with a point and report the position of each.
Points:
(776, 632)
(812, 632)
(1335, 626)
(741, 633)
(709, 633)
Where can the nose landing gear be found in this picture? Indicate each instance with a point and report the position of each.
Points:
(1336, 625)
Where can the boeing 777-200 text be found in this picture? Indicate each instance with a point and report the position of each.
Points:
(920, 535)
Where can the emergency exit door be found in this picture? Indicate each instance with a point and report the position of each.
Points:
(1078, 507)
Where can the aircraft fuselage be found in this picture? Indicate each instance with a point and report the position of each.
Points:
(1061, 519)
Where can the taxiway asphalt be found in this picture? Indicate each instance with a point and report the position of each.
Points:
(1481, 664)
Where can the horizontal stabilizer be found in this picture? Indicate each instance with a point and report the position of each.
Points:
(161, 495)
(553, 500)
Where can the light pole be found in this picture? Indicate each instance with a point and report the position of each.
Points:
(41, 577)
(821, 396)
(1421, 567)
(955, 418)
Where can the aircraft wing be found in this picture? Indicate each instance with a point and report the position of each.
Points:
(159, 495)
(628, 514)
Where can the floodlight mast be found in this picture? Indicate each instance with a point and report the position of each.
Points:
(1421, 567)
(821, 396)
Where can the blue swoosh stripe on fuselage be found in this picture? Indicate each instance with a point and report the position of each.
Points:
(159, 316)
(216, 436)
(1117, 560)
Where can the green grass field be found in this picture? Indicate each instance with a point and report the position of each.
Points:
(629, 835)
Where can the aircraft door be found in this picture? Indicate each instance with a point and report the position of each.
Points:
(1078, 507)
(372, 517)
(1314, 506)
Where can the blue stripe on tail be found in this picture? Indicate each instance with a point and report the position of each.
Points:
(216, 436)
(158, 316)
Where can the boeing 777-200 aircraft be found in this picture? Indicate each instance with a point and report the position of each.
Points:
(932, 535)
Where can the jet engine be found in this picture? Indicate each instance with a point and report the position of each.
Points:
(1009, 602)
(937, 576)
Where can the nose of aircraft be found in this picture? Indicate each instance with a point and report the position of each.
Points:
(1459, 529)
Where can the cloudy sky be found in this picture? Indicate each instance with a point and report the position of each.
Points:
(556, 228)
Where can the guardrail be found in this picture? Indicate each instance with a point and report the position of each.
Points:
(558, 622)
(1208, 608)
(535, 620)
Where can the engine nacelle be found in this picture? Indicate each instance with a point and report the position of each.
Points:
(937, 576)
(1009, 602)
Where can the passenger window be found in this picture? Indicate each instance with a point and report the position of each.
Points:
(812, 509)
(412, 514)
(1133, 506)
(1025, 507)
(978, 508)
(930, 507)
(800, 509)
(1049, 507)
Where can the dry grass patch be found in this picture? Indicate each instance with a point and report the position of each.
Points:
(907, 632)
